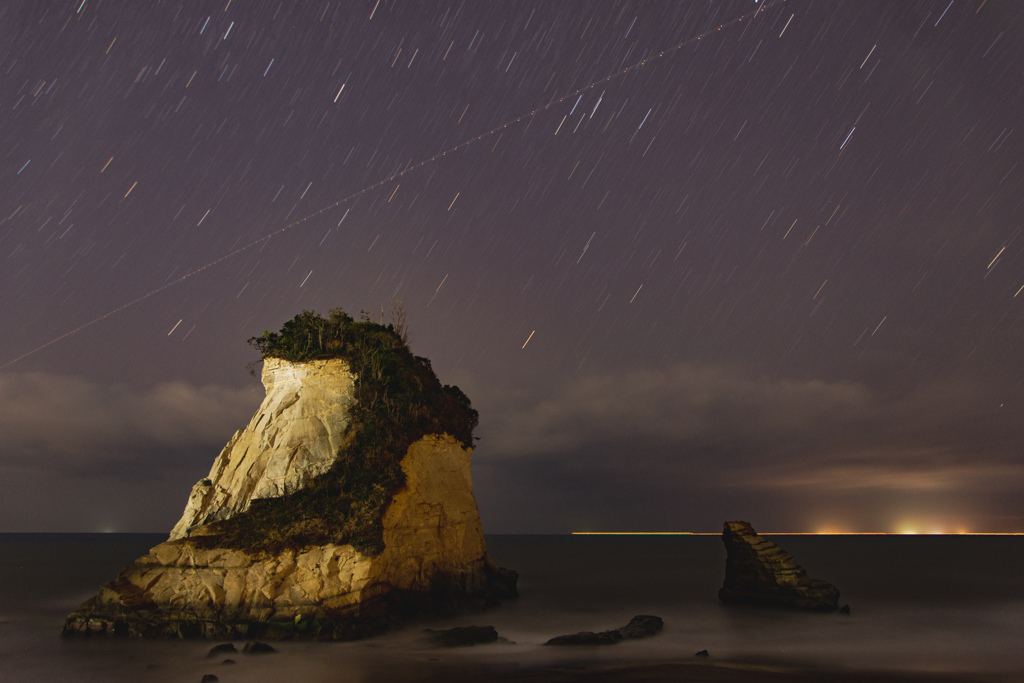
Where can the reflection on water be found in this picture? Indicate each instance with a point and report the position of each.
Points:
(950, 603)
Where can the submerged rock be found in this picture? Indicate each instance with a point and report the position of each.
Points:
(640, 626)
(222, 649)
(759, 572)
(292, 535)
(255, 647)
(587, 638)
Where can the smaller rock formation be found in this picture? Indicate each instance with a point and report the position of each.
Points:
(640, 626)
(761, 573)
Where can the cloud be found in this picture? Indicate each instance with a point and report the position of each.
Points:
(60, 422)
(908, 470)
(734, 430)
(688, 402)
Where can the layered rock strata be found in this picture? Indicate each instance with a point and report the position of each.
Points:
(434, 558)
(759, 572)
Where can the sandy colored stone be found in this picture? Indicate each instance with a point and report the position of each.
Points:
(432, 534)
(434, 553)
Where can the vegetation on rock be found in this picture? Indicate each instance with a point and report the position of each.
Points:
(398, 400)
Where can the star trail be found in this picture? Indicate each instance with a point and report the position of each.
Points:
(690, 261)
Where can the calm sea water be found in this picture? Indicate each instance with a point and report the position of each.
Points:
(921, 603)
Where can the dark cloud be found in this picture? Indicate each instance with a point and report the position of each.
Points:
(684, 403)
(57, 422)
(80, 455)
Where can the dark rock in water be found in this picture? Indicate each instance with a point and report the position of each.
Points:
(761, 573)
(587, 638)
(845, 609)
(229, 661)
(702, 653)
(501, 582)
(255, 647)
(221, 649)
(210, 678)
(640, 626)
(464, 636)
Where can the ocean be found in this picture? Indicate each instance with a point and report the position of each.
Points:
(919, 604)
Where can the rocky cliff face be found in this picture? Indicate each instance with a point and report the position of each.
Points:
(759, 572)
(434, 557)
(293, 437)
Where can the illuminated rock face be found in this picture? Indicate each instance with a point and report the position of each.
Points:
(434, 558)
(759, 572)
(294, 436)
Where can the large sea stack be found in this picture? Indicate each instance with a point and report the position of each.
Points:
(759, 572)
(344, 508)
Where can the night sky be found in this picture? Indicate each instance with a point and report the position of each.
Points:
(691, 261)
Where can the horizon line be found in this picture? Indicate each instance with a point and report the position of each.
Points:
(797, 533)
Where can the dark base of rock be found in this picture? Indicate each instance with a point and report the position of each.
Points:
(502, 584)
(393, 610)
(820, 596)
(641, 626)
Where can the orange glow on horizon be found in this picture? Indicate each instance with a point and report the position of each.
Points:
(932, 527)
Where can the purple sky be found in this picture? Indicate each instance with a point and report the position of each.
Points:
(770, 274)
